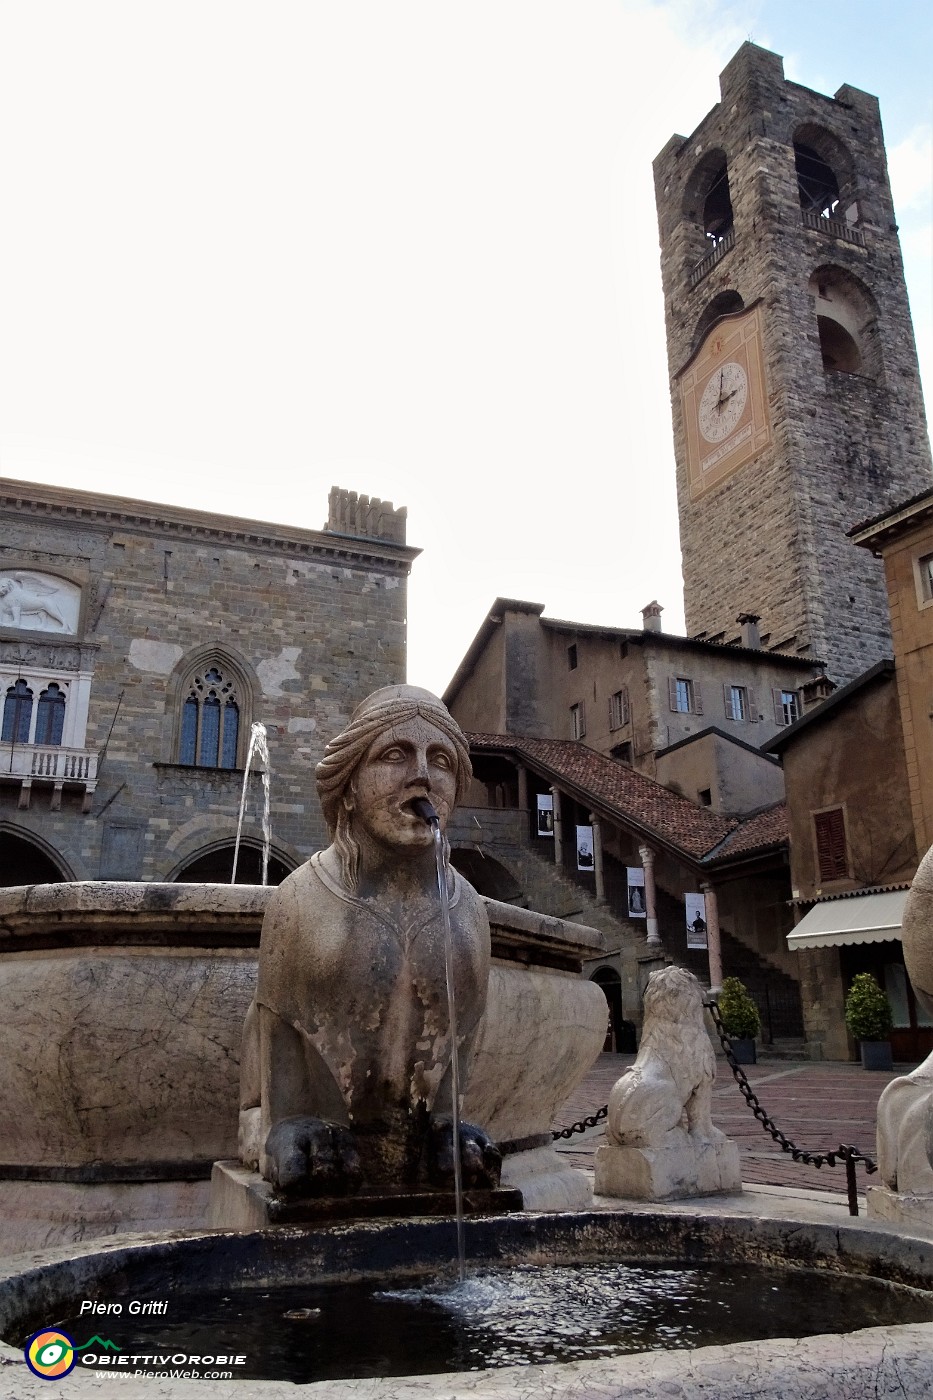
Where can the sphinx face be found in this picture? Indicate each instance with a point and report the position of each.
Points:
(408, 761)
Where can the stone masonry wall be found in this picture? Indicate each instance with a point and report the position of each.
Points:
(770, 539)
(312, 622)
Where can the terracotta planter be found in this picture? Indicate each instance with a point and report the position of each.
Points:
(876, 1054)
(744, 1050)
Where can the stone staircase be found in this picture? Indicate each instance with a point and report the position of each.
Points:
(548, 889)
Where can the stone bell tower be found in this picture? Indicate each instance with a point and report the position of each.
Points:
(796, 395)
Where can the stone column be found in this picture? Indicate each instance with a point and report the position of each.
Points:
(714, 948)
(598, 859)
(558, 828)
(651, 908)
(522, 786)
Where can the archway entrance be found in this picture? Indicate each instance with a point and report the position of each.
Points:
(620, 1034)
(23, 862)
(215, 867)
(487, 876)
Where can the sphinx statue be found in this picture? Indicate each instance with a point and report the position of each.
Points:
(905, 1109)
(346, 1061)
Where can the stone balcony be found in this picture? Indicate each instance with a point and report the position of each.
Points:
(49, 765)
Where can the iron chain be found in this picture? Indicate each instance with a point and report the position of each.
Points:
(589, 1122)
(841, 1153)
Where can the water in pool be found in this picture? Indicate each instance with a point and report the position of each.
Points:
(516, 1316)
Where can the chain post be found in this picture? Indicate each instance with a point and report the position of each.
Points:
(848, 1155)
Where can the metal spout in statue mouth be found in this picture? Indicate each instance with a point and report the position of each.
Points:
(423, 808)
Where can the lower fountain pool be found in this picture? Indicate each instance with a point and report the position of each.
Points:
(517, 1316)
(381, 1298)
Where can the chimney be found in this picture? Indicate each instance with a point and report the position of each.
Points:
(751, 637)
(814, 692)
(651, 617)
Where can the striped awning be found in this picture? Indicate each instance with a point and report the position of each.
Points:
(861, 918)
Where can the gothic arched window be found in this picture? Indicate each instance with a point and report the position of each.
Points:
(210, 719)
(50, 715)
(17, 714)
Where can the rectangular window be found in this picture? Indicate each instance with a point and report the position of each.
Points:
(622, 752)
(572, 657)
(618, 709)
(786, 706)
(577, 721)
(831, 844)
(925, 578)
(684, 696)
(736, 698)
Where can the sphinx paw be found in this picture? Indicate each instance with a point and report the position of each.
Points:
(311, 1157)
(480, 1158)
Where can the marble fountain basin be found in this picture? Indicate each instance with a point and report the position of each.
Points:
(838, 1262)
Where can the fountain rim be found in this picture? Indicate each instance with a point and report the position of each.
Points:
(878, 1243)
(862, 1247)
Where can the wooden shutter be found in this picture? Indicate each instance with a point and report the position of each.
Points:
(626, 712)
(672, 692)
(777, 697)
(752, 705)
(727, 700)
(831, 844)
(697, 698)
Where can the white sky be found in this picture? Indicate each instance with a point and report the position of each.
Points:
(250, 251)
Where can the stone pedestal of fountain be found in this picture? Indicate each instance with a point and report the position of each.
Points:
(121, 1012)
(242, 1200)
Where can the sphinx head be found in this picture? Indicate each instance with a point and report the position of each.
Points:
(400, 745)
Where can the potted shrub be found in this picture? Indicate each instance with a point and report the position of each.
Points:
(740, 1019)
(868, 1017)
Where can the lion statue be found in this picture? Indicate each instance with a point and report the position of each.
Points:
(666, 1096)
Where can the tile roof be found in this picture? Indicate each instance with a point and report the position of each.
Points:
(637, 800)
(763, 829)
(613, 785)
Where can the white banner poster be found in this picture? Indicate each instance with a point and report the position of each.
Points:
(545, 814)
(585, 848)
(696, 920)
(636, 893)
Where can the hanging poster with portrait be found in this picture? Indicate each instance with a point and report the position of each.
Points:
(585, 859)
(637, 908)
(696, 920)
(545, 814)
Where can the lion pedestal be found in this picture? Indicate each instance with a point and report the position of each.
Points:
(661, 1141)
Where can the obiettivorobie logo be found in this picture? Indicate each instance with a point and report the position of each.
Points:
(52, 1354)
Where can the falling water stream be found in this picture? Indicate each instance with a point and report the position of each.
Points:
(258, 745)
(428, 814)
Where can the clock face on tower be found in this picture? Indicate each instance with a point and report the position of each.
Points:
(723, 402)
(725, 407)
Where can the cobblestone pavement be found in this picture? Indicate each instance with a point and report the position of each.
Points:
(818, 1106)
